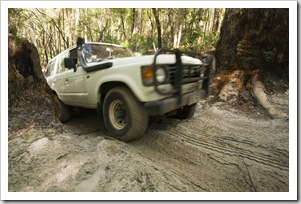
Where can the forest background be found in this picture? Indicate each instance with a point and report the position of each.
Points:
(141, 29)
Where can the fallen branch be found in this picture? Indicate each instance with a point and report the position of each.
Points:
(20, 132)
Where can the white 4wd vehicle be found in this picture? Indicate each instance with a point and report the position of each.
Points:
(128, 89)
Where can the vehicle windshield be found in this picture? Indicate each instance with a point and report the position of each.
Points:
(101, 52)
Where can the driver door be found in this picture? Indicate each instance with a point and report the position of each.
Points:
(70, 85)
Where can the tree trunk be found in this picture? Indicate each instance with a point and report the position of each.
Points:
(255, 39)
(158, 25)
(123, 27)
(27, 87)
(253, 42)
(212, 12)
(133, 21)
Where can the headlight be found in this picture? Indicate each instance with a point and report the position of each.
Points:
(160, 75)
(148, 75)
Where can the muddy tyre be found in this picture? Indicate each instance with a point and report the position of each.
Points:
(185, 112)
(63, 113)
(125, 118)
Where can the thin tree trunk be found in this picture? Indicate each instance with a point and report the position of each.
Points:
(77, 17)
(141, 21)
(212, 11)
(85, 26)
(179, 37)
(133, 21)
(123, 28)
(158, 25)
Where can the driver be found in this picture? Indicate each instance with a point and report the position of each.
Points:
(89, 54)
(94, 58)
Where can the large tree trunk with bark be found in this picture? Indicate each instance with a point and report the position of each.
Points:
(255, 39)
(253, 46)
(31, 102)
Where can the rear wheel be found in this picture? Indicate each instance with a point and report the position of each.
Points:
(124, 116)
(63, 113)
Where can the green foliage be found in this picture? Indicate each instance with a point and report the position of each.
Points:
(53, 30)
(125, 43)
(140, 43)
(199, 41)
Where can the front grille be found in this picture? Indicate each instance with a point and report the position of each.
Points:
(180, 73)
(191, 73)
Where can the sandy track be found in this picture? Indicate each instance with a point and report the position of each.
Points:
(219, 149)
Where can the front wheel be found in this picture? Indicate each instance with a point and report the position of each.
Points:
(124, 116)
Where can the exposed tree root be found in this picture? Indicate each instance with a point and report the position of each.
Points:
(228, 85)
(230, 90)
(258, 92)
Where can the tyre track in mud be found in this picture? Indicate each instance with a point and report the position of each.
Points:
(198, 143)
(194, 167)
(173, 168)
(223, 145)
(216, 148)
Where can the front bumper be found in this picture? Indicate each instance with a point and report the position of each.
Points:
(160, 107)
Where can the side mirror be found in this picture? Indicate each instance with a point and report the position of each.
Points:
(69, 63)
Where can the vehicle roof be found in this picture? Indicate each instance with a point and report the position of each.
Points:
(74, 46)
(101, 43)
(97, 43)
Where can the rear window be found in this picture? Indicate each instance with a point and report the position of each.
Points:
(61, 65)
(50, 68)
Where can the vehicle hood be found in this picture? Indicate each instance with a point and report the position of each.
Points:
(149, 59)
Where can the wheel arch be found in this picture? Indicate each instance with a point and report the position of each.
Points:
(107, 86)
(54, 92)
